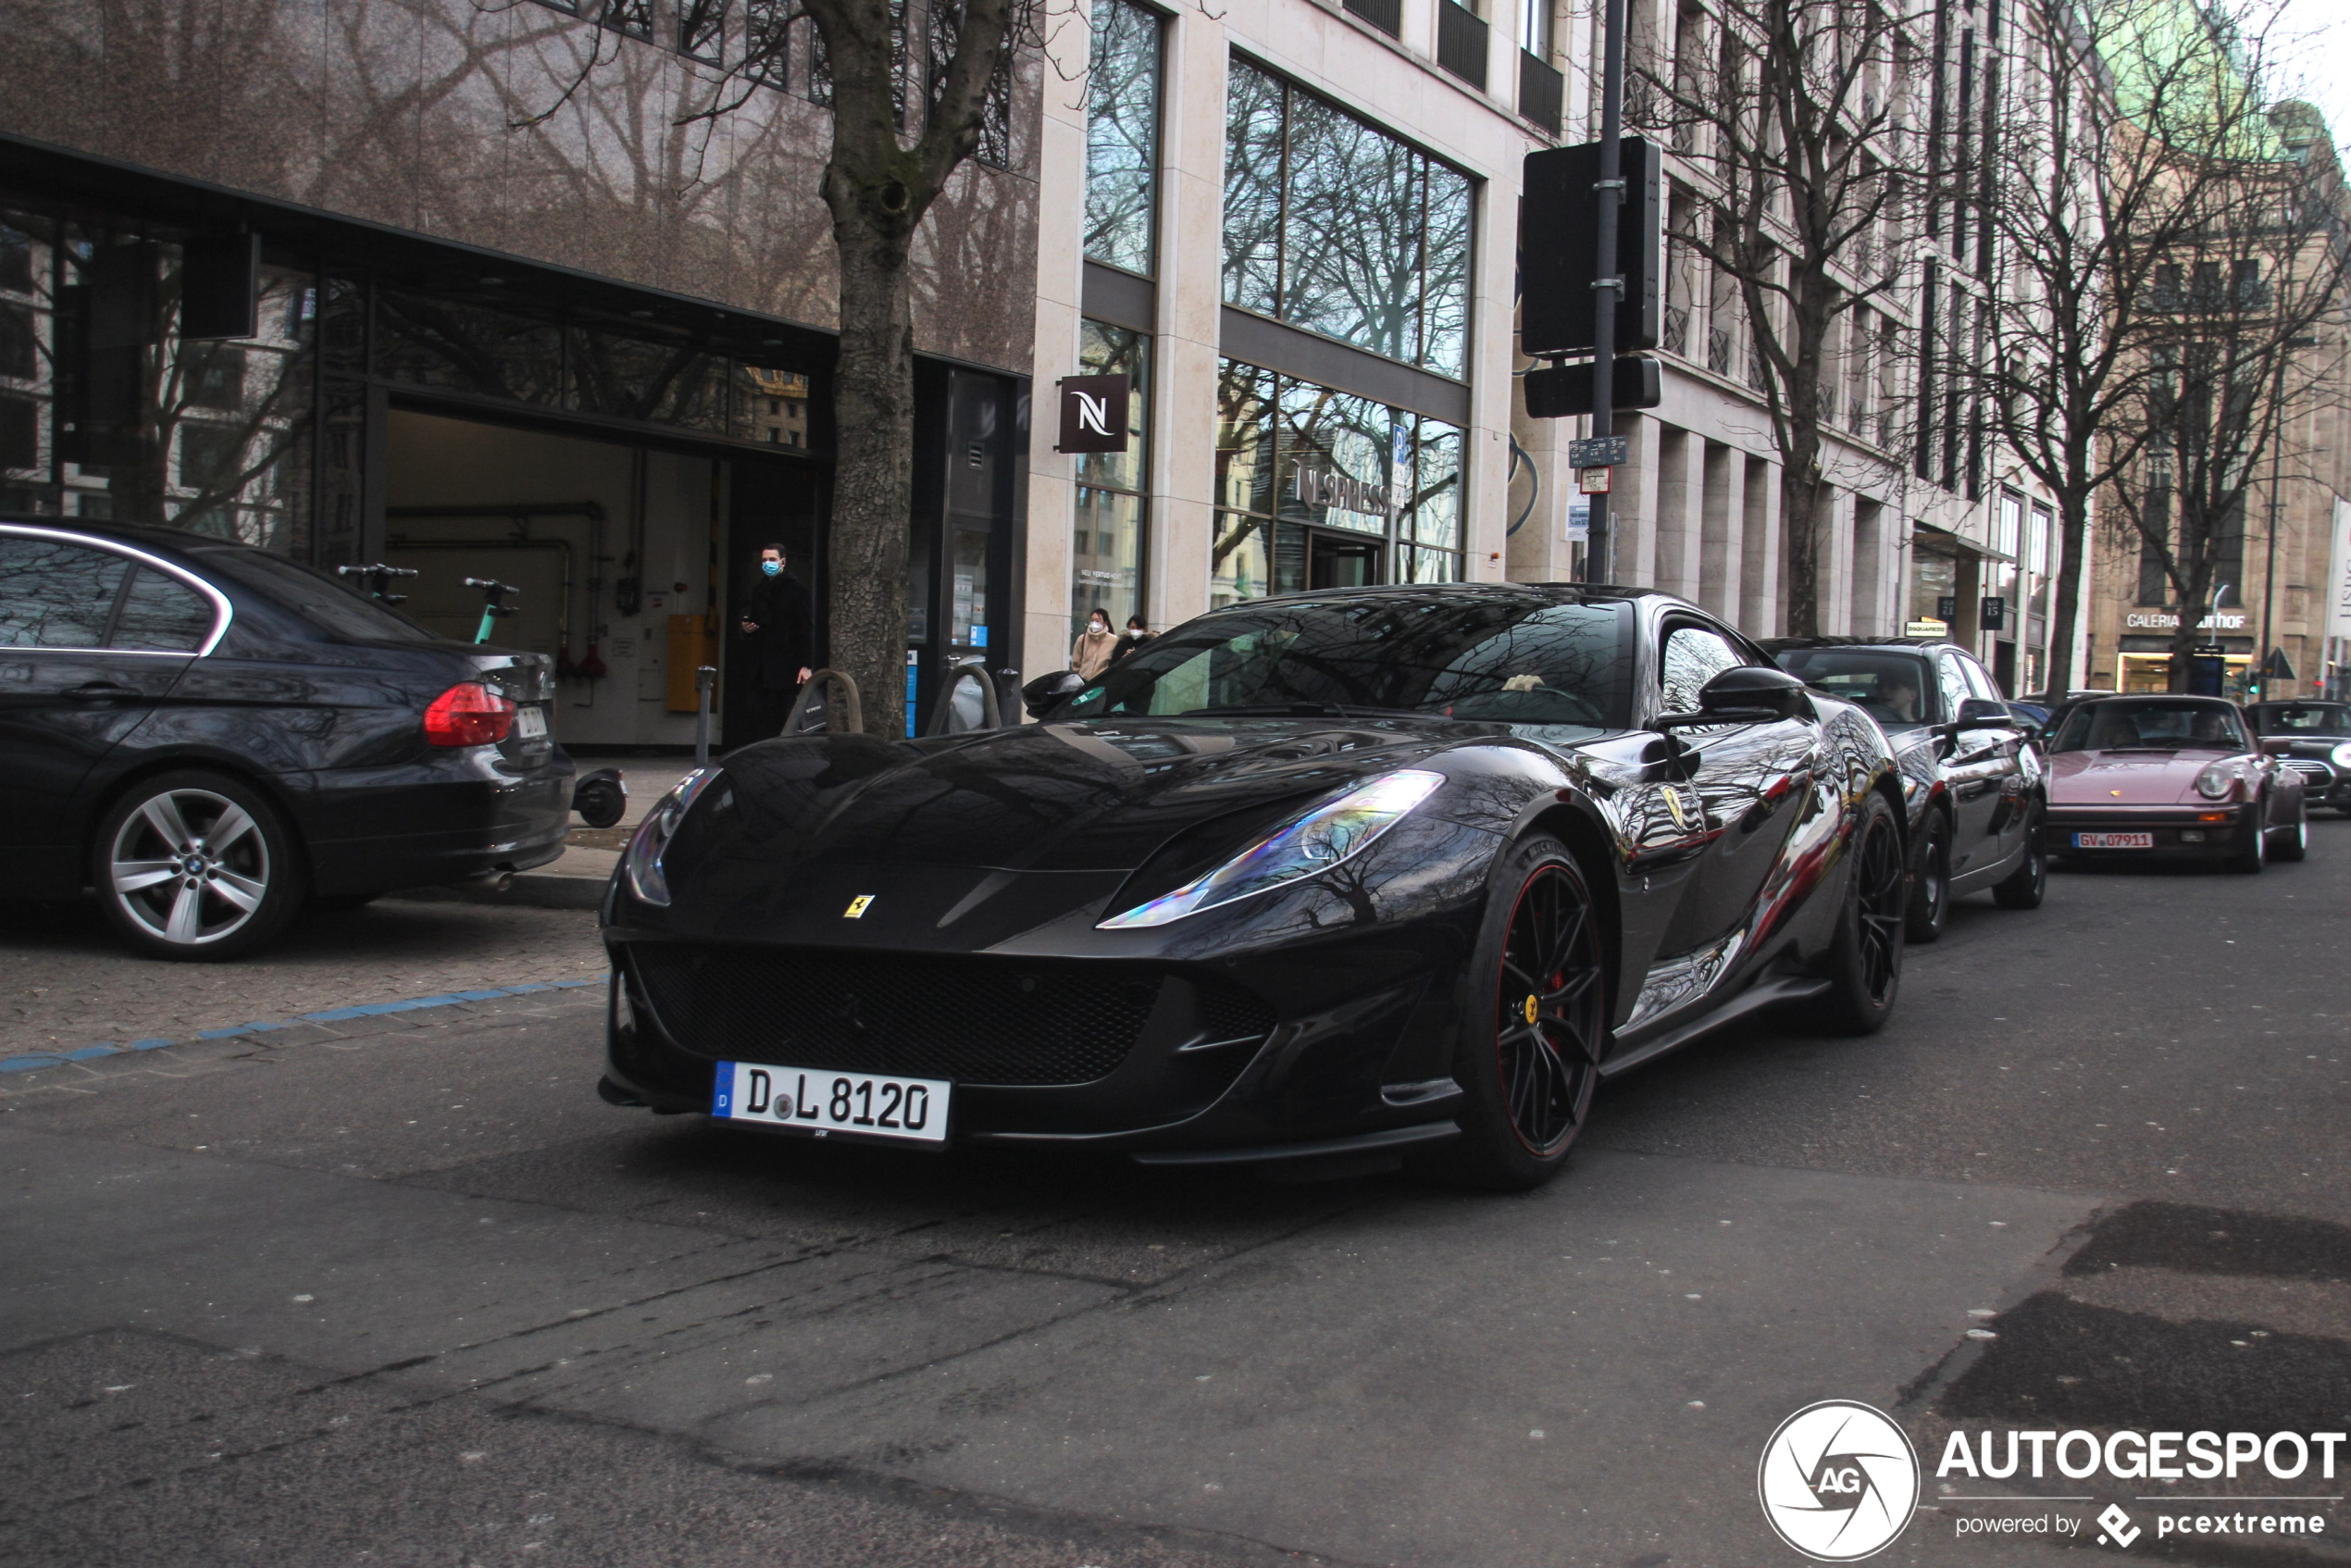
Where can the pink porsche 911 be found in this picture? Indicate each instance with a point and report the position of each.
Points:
(2134, 778)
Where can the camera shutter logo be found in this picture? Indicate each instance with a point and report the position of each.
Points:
(1838, 1481)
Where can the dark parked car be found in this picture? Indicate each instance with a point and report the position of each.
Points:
(1972, 766)
(1350, 873)
(2313, 739)
(203, 737)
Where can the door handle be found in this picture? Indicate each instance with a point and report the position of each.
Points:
(100, 691)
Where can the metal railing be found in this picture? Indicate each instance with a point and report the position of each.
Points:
(1461, 41)
(1386, 14)
(1542, 93)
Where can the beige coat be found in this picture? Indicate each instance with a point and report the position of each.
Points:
(1090, 656)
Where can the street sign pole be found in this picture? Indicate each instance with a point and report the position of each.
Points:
(1608, 287)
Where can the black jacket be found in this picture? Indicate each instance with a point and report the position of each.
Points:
(785, 642)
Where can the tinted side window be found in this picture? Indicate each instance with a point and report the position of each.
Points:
(1693, 656)
(162, 614)
(55, 594)
(1979, 681)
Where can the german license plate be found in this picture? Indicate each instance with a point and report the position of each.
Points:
(530, 723)
(2114, 841)
(912, 1109)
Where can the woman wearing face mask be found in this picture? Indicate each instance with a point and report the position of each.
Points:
(1137, 633)
(1091, 654)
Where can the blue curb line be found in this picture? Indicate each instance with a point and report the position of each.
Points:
(332, 1016)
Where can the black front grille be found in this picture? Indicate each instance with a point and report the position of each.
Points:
(973, 1020)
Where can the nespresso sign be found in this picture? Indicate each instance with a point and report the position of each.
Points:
(1343, 492)
(1094, 412)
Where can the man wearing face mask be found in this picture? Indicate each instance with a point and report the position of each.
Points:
(779, 628)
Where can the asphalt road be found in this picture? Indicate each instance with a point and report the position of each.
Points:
(400, 1289)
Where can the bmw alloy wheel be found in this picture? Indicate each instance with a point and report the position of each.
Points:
(190, 867)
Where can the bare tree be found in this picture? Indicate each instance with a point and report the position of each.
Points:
(916, 89)
(2143, 246)
(1794, 116)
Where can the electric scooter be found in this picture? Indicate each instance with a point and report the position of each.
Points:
(601, 798)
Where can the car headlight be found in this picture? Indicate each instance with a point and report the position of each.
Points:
(2217, 781)
(2342, 754)
(652, 835)
(1316, 841)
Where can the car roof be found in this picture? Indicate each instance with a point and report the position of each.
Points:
(1891, 644)
(144, 535)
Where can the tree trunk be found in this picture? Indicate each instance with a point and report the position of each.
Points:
(1800, 487)
(2073, 542)
(873, 482)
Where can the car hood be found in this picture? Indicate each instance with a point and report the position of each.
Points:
(2134, 777)
(1049, 797)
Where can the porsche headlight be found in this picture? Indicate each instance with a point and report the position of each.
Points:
(644, 860)
(1316, 841)
(2342, 754)
(2217, 782)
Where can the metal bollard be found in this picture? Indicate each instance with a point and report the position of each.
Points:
(706, 677)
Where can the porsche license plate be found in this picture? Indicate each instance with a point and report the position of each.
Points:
(530, 723)
(2114, 841)
(912, 1109)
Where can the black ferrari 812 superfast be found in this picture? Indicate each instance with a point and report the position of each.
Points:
(1386, 872)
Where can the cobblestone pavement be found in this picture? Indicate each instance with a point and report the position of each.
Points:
(65, 982)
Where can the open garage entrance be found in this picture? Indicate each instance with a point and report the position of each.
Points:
(626, 558)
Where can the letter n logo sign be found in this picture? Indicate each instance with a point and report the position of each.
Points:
(1094, 413)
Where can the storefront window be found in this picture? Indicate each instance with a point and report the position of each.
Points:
(1337, 226)
(1934, 577)
(1298, 463)
(1114, 505)
(1122, 136)
(107, 410)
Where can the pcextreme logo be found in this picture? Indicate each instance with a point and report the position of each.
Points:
(1838, 1481)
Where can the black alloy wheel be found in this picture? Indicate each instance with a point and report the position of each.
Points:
(1531, 1047)
(2026, 886)
(1865, 967)
(1930, 908)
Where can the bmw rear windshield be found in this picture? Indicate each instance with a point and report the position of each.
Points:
(1562, 672)
(341, 612)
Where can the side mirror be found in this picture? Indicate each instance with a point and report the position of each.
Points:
(1983, 713)
(1048, 691)
(1746, 694)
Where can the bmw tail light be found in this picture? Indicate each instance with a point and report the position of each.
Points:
(469, 714)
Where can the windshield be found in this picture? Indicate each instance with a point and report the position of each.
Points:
(2304, 718)
(1892, 688)
(1561, 670)
(2167, 725)
(321, 600)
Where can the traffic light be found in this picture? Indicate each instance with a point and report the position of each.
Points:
(1562, 391)
(1556, 250)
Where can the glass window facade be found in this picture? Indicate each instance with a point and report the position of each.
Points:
(1332, 225)
(1108, 538)
(107, 410)
(1122, 136)
(1292, 457)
